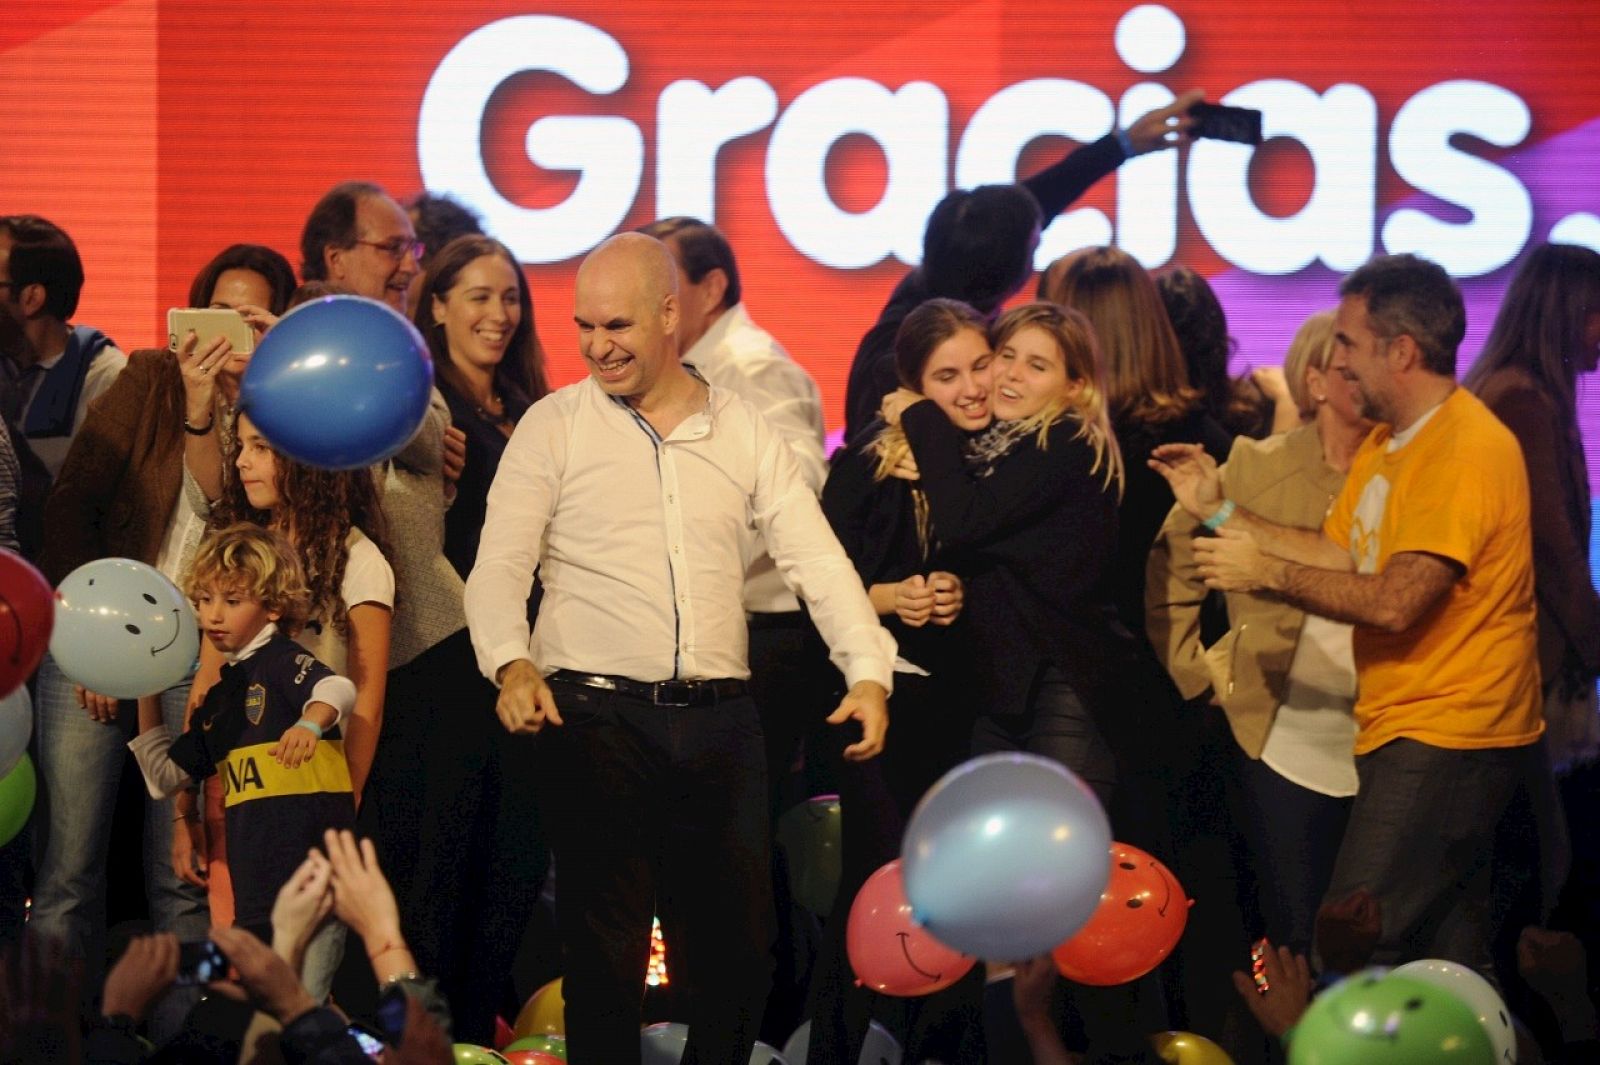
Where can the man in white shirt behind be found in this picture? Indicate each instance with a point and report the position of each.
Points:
(789, 680)
(633, 492)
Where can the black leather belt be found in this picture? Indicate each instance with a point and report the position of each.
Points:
(661, 692)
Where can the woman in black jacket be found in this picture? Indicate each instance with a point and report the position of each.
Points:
(1031, 505)
(880, 515)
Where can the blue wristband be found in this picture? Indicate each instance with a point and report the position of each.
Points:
(1126, 143)
(310, 726)
(1223, 513)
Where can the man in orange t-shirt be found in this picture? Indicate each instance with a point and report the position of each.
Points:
(1428, 553)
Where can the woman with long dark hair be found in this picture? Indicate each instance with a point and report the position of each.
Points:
(881, 516)
(477, 314)
(454, 820)
(1030, 504)
(1148, 394)
(1546, 334)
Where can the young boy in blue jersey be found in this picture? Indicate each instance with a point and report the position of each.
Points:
(269, 726)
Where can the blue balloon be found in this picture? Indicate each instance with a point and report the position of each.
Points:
(1006, 856)
(122, 629)
(339, 383)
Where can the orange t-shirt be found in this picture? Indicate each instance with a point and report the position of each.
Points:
(1466, 675)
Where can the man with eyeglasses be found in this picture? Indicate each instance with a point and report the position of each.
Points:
(50, 379)
(359, 239)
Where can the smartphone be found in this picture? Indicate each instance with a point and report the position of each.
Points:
(200, 963)
(369, 1041)
(1222, 123)
(208, 323)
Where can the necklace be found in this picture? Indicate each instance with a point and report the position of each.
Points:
(486, 412)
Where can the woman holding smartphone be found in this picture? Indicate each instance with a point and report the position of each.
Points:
(121, 493)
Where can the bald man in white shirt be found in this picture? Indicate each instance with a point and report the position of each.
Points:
(634, 493)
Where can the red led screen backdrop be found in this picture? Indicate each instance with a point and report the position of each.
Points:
(816, 135)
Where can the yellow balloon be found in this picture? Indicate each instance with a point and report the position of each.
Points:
(1186, 1048)
(544, 1013)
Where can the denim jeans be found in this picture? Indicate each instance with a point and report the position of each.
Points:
(80, 769)
(1421, 838)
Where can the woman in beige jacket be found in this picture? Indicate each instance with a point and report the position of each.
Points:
(1285, 680)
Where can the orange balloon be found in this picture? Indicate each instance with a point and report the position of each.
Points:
(1186, 1048)
(543, 1014)
(1140, 918)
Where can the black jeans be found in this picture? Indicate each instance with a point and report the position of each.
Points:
(641, 802)
(1056, 725)
(929, 723)
(1293, 834)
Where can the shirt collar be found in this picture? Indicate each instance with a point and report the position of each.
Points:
(1400, 440)
(268, 631)
(704, 350)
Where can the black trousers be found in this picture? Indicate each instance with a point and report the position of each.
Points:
(930, 721)
(647, 802)
(451, 808)
(1056, 724)
(1294, 835)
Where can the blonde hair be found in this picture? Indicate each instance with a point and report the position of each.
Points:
(256, 562)
(1146, 380)
(1080, 356)
(1311, 349)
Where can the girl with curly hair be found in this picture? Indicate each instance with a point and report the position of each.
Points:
(333, 520)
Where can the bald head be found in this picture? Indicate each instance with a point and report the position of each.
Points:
(626, 308)
(644, 259)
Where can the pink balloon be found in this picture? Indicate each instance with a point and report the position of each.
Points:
(888, 950)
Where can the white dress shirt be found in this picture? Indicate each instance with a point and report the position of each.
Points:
(737, 355)
(642, 544)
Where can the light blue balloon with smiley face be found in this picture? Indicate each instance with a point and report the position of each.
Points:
(122, 629)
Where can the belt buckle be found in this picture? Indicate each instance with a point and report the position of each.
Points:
(673, 693)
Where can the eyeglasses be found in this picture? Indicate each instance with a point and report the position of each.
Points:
(397, 247)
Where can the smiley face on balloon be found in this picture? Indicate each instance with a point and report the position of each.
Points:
(1141, 916)
(122, 629)
(888, 950)
(1382, 1018)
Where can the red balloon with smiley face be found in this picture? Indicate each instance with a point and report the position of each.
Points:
(27, 614)
(1140, 918)
(888, 950)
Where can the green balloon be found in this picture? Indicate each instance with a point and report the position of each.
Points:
(553, 1045)
(468, 1054)
(809, 836)
(1379, 1018)
(17, 789)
